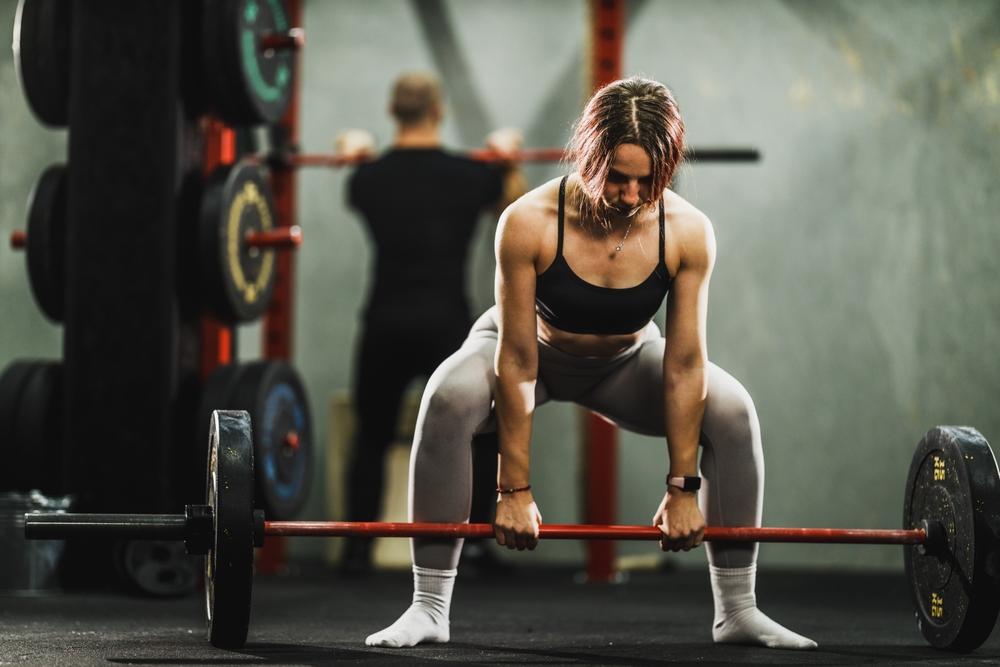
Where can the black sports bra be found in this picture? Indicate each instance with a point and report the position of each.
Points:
(570, 303)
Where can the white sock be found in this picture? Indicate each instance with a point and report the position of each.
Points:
(426, 620)
(737, 618)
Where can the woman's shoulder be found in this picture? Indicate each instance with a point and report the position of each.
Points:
(534, 209)
(530, 221)
(691, 228)
(683, 216)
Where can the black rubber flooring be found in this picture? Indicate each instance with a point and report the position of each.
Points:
(528, 617)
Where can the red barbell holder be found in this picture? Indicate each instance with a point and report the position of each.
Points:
(18, 239)
(594, 532)
(281, 238)
(293, 40)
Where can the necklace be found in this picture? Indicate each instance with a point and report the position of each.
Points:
(621, 244)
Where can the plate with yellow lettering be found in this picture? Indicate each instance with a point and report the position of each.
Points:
(953, 481)
(237, 277)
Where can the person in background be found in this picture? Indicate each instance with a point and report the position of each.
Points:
(420, 205)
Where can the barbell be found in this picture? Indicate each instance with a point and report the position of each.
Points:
(951, 532)
(292, 160)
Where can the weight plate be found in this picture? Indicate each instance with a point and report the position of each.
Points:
(246, 85)
(190, 295)
(217, 393)
(15, 377)
(157, 568)
(272, 392)
(46, 251)
(229, 563)
(953, 479)
(238, 279)
(41, 57)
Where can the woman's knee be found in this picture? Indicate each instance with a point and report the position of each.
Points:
(458, 394)
(730, 415)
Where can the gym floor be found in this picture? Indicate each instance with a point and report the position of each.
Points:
(536, 616)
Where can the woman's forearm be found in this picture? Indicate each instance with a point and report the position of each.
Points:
(515, 404)
(685, 407)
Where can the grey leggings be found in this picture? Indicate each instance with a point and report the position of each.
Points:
(627, 389)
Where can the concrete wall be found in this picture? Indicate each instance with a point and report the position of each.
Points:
(855, 291)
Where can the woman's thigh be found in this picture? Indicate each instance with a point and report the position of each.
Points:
(633, 396)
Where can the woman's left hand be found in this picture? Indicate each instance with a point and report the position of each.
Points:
(680, 520)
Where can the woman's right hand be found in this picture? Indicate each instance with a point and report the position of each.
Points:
(517, 520)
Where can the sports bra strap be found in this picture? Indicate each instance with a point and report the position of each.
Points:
(663, 234)
(562, 210)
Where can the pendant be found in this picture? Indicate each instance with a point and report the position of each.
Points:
(618, 248)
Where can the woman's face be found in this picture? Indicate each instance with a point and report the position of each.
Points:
(629, 183)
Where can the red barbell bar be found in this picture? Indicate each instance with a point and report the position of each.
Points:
(594, 532)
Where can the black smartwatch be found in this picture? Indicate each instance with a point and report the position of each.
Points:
(687, 483)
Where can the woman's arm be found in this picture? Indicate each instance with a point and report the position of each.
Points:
(684, 372)
(516, 368)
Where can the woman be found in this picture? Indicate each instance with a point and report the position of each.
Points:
(583, 264)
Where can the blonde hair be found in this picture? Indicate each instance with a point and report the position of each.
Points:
(415, 96)
(628, 111)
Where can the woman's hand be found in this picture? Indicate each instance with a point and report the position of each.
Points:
(680, 521)
(517, 521)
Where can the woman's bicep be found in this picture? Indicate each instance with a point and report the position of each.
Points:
(687, 303)
(515, 291)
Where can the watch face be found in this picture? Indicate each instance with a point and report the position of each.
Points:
(688, 483)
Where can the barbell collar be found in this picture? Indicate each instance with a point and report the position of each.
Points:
(199, 529)
(258, 528)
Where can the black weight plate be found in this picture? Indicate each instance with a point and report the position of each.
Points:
(247, 85)
(238, 279)
(272, 392)
(214, 394)
(12, 382)
(217, 393)
(189, 281)
(157, 568)
(192, 79)
(229, 563)
(953, 479)
(46, 251)
(38, 434)
(41, 56)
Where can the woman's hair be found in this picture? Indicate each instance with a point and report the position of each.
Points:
(628, 111)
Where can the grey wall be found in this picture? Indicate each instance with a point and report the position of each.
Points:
(854, 293)
(25, 150)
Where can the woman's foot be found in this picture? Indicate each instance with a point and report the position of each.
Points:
(427, 618)
(737, 618)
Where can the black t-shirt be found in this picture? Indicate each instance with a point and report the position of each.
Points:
(420, 208)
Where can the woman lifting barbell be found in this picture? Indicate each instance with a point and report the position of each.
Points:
(583, 264)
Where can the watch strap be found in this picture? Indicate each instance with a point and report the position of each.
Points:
(686, 483)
